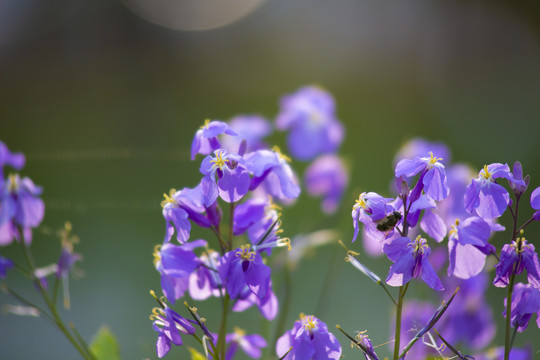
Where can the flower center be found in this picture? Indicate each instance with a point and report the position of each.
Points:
(245, 254)
(219, 161)
(360, 202)
(308, 322)
(13, 183)
(419, 244)
(486, 173)
(157, 254)
(432, 160)
(206, 124)
(453, 230)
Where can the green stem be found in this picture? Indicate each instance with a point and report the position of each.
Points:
(507, 344)
(231, 224)
(402, 291)
(223, 328)
(286, 301)
(85, 353)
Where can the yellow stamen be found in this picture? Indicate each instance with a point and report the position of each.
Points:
(168, 198)
(433, 159)
(309, 322)
(219, 161)
(157, 255)
(360, 202)
(453, 230)
(486, 173)
(13, 183)
(420, 244)
(206, 123)
(281, 155)
(239, 332)
(285, 242)
(245, 254)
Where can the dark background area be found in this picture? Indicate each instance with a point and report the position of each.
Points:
(105, 104)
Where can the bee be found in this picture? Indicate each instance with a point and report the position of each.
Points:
(389, 221)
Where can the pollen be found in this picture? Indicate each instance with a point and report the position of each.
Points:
(157, 254)
(206, 124)
(308, 322)
(419, 244)
(245, 254)
(360, 202)
(486, 173)
(453, 230)
(219, 161)
(282, 156)
(433, 160)
(168, 198)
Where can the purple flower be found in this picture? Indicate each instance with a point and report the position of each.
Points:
(271, 168)
(525, 303)
(268, 306)
(243, 267)
(179, 207)
(535, 199)
(175, 263)
(410, 261)
(224, 174)
(252, 129)
(250, 344)
(368, 209)
(498, 354)
(15, 160)
(327, 177)
(169, 325)
(309, 115)
(484, 196)
(514, 258)
(522, 183)
(419, 147)
(205, 281)
(206, 138)
(5, 265)
(469, 319)
(308, 339)
(19, 206)
(432, 178)
(467, 246)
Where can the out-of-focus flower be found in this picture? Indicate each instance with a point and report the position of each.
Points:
(419, 147)
(268, 306)
(15, 160)
(250, 344)
(5, 265)
(271, 168)
(309, 116)
(525, 303)
(251, 128)
(20, 206)
(327, 177)
(308, 339)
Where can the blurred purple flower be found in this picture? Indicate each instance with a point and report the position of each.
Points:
(309, 115)
(535, 199)
(205, 281)
(15, 160)
(250, 344)
(327, 176)
(419, 147)
(268, 306)
(5, 265)
(308, 339)
(252, 129)
(272, 168)
(20, 206)
(525, 303)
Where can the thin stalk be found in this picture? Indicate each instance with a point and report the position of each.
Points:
(399, 307)
(28, 303)
(223, 328)
(222, 243)
(507, 344)
(85, 353)
(231, 225)
(286, 301)
(524, 225)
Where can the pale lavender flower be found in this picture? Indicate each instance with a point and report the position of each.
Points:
(327, 176)
(432, 175)
(206, 138)
(251, 128)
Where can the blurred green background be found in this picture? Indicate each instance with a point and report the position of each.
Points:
(105, 102)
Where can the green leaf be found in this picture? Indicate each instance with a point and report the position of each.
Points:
(104, 346)
(195, 355)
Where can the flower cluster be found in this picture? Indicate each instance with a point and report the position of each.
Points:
(437, 200)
